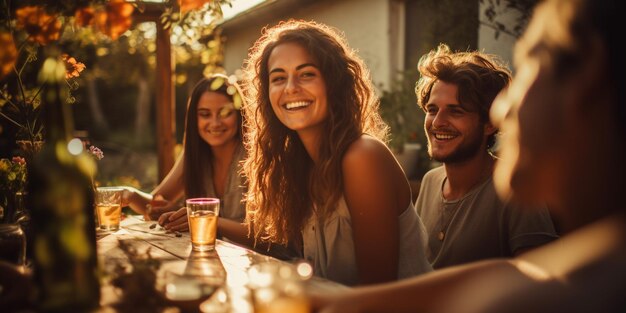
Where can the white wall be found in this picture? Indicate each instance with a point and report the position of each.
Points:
(487, 42)
(366, 24)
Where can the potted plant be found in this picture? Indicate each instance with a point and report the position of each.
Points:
(398, 108)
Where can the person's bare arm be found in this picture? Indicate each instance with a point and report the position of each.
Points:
(235, 231)
(165, 194)
(136, 199)
(372, 189)
(172, 186)
(424, 293)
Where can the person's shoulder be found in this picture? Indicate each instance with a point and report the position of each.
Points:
(366, 151)
(435, 175)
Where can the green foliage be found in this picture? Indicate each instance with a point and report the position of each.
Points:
(398, 108)
(12, 175)
(12, 181)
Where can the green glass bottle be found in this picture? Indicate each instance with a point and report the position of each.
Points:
(61, 201)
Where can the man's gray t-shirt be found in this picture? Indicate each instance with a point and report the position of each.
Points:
(478, 225)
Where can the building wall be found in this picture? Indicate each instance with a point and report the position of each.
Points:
(368, 26)
(504, 44)
(391, 35)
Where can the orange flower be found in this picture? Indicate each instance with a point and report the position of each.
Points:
(118, 18)
(72, 67)
(189, 5)
(84, 16)
(112, 20)
(8, 53)
(40, 26)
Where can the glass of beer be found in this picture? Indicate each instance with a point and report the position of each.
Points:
(109, 207)
(202, 214)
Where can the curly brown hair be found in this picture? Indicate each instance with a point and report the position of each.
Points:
(479, 77)
(285, 185)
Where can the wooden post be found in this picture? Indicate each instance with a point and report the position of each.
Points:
(166, 124)
(165, 104)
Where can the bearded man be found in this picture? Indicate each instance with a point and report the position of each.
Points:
(464, 218)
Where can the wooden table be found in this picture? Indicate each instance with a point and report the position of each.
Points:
(175, 254)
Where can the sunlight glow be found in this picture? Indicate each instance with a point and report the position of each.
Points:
(75, 146)
(238, 7)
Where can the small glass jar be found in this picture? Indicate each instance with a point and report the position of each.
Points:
(12, 244)
(279, 287)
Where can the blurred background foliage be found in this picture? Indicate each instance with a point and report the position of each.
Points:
(113, 98)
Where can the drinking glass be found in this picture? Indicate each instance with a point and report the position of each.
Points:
(188, 291)
(109, 207)
(12, 244)
(279, 287)
(188, 285)
(202, 216)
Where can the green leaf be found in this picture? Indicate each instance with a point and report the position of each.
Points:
(217, 83)
(237, 102)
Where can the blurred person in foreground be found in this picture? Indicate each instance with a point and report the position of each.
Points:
(465, 219)
(565, 145)
(210, 163)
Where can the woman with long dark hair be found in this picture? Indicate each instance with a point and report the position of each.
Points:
(210, 163)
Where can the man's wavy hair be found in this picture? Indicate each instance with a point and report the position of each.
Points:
(285, 185)
(479, 77)
(198, 155)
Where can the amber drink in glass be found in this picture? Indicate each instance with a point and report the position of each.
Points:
(202, 214)
(108, 207)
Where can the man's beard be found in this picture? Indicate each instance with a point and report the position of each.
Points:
(467, 150)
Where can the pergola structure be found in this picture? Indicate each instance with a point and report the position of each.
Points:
(165, 104)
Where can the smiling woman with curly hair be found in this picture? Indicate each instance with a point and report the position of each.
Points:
(321, 179)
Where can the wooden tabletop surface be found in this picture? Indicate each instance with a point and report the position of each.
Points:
(228, 261)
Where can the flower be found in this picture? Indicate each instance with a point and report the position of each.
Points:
(96, 152)
(83, 17)
(72, 67)
(114, 19)
(19, 160)
(13, 175)
(190, 5)
(40, 26)
(8, 54)
(97, 155)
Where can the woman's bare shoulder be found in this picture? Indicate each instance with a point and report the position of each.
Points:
(366, 150)
(368, 157)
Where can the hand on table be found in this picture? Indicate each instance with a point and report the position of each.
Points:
(158, 206)
(175, 221)
(127, 194)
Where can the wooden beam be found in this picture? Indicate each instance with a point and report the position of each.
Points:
(165, 103)
(166, 124)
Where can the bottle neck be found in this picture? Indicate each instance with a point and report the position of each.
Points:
(57, 115)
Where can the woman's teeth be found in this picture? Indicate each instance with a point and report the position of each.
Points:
(295, 105)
